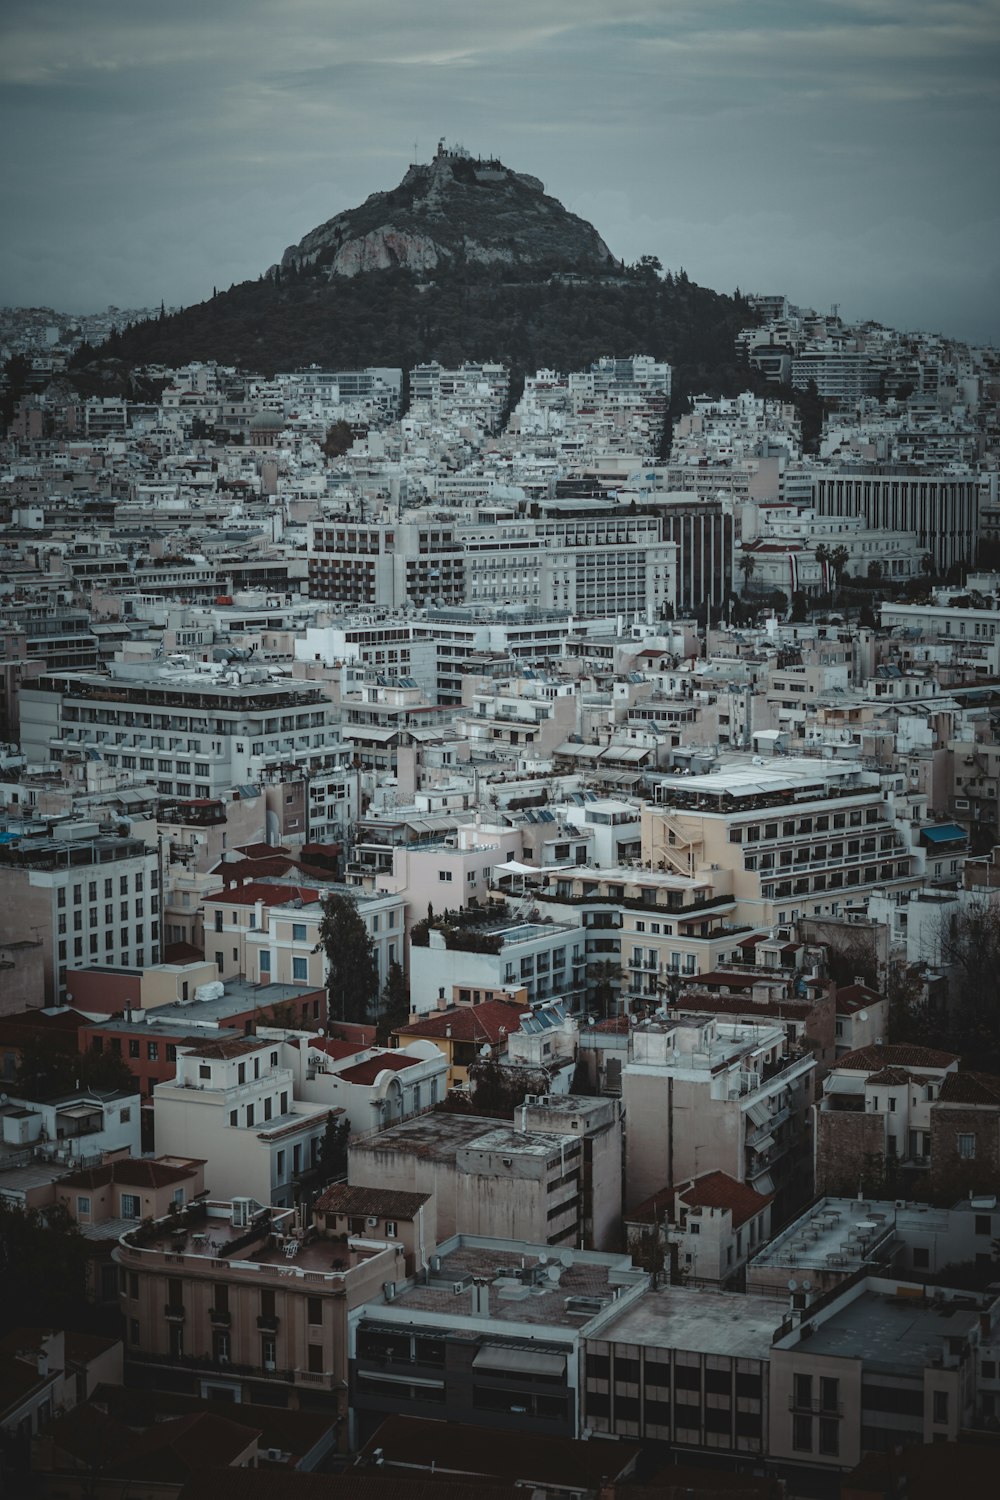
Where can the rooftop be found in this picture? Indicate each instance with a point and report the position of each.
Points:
(705, 1322)
(888, 1328)
(838, 1234)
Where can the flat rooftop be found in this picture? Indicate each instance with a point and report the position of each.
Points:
(703, 1322)
(565, 1290)
(438, 1136)
(239, 996)
(887, 1332)
(837, 1234)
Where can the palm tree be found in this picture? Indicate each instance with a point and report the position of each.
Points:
(747, 567)
(927, 565)
(603, 979)
(838, 561)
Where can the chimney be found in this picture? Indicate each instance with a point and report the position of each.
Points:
(442, 1003)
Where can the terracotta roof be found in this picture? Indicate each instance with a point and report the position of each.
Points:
(742, 1005)
(468, 1023)
(889, 1075)
(182, 953)
(270, 895)
(894, 1055)
(334, 1047)
(719, 1190)
(368, 1071)
(852, 997)
(385, 1203)
(970, 1088)
(230, 1046)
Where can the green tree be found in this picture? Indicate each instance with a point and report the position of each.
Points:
(747, 567)
(800, 611)
(875, 572)
(927, 565)
(603, 979)
(46, 1072)
(838, 562)
(331, 1158)
(338, 440)
(394, 1004)
(352, 969)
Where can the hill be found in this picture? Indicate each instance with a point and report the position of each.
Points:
(463, 260)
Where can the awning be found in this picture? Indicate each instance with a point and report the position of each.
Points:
(80, 1111)
(519, 1361)
(759, 1112)
(764, 1144)
(437, 1385)
(943, 833)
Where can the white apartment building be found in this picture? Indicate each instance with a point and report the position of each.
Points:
(87, 897)
(79, 1127)
(232, 1103)
(188, 733)
(541, 958)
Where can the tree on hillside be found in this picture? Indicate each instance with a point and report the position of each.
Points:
(352, 969)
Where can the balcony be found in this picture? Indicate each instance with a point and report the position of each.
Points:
(816, 1407)
(174, 1312)
(219, 1318)
(267, 1324)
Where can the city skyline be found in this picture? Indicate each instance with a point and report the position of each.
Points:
(838, 155)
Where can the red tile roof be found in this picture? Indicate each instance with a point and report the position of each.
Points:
(719, 1190)
(889, 1075)
(382, 1203)
(894, 1055)
(970, 1088)
(854, 997)
(367, 1071)
(270, 895)
(468, 1023)
(335, 1048)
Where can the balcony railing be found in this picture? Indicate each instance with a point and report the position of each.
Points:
(174, 1311)
(267, 1324)
(816, 1407)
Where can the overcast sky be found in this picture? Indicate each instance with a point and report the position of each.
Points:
(834, 150)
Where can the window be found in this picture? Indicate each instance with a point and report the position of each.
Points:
(133, 1047)
(204, 1070)
(829, 1436)
(265, 964)
(829, 1393)
(315, 1359)
(390, 1229)
(314, 1311)
(940, 1406)
(153, 1051)
(298, 932)
(803, 1393)
(300, 968)
(802, 1434)
(967, 1147)
(984, 1224)
(444, 875)
(131, 1206)
(83, 1208)
(124, 1116)
(249, 1114)
(234, 1117)
(921, 1258)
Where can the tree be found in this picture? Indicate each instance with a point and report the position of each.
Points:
(866, 617)
(46, 1072)
(394, 1004)
(838, 562)
(874, 572)
(352, 967)
(927, 565)
(799, 610)
(331, 1158)
(603, 979)
(338, 440)
(747, 567)
(970, 950)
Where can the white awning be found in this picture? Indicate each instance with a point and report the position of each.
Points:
(764, 1144)
(384, 1375)
(519, 1361)
(759, 1112)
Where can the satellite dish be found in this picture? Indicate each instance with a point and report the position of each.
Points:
(807, 1286)
(4, 1099)
(633, 1020)
(485, 1050)
(566, 1258)
(793, 1285)
(862, 1015)
(543, 1259)
(554, 1273)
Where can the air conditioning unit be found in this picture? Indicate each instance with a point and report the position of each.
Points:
(371, 1222)
(269, 1364)
(457, 1287)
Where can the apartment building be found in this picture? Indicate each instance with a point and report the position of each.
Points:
(544, 959)
(703, 1094)
(232, 1102)
(684, 1366)
(882, 1364)
(796, 837)
(490, 1333)
(536, 1178)
(233, 1301)
(874, 1115)
(191, 734)
(77, 1127)
(268, 930)
(85, 896)
(703, 1233)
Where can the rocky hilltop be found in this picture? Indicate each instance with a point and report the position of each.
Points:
(457, 211)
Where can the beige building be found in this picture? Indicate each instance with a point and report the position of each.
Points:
(232, 1102)
(796, 837)
(704, 1095)
(234, 1302)
(703, 1233)
(879, 1366)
